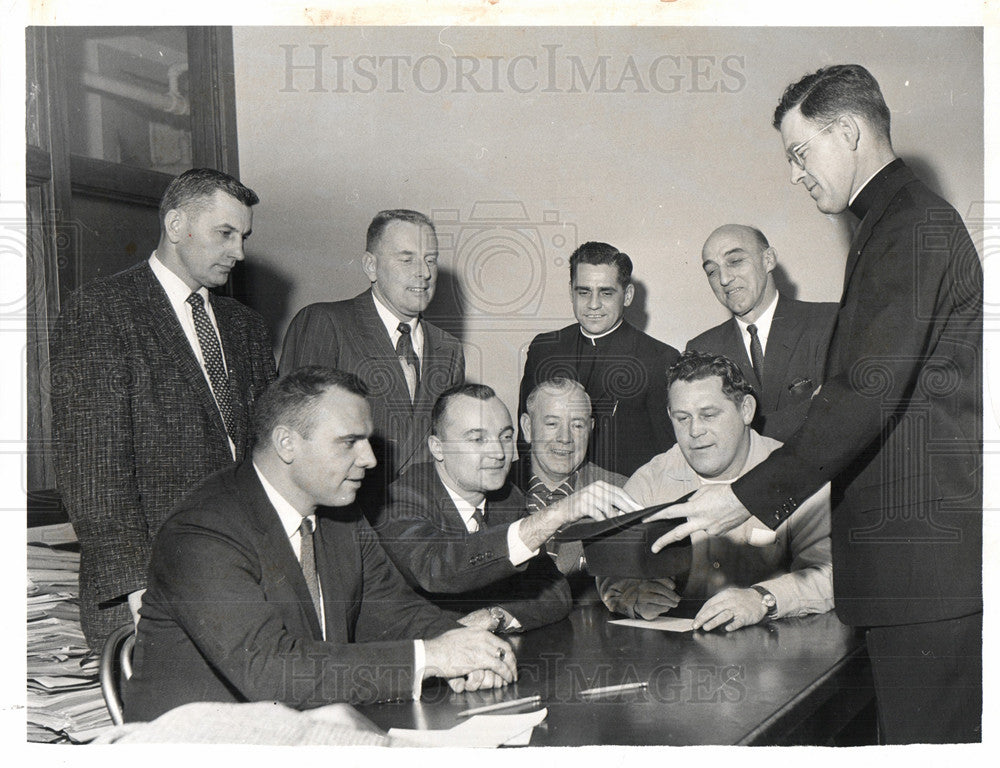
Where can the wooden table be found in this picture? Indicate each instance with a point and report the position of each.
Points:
(791, 681)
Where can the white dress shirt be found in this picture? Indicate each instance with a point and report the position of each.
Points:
(177, 294)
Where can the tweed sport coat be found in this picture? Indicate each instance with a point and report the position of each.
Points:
(228, 616)
(426, 538)
(135, 424)
(793, 363)
(897, 426)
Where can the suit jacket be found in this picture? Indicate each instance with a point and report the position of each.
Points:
(350, 335)
(625, 374)
(897, 425)
(793, 363)
(228, 617)
(136, 425)
(426, 538)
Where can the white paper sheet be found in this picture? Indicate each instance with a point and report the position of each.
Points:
(663, 623)
(477, 731)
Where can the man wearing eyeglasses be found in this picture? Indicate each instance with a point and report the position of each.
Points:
(896, 426)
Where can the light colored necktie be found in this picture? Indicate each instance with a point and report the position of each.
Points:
(308, 560)
(211, 353)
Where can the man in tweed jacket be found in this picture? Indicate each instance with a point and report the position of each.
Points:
(139, 419)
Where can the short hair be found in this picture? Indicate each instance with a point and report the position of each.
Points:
(440, 411)
(599, 254)
(695, 366)
(556, 385)
(384, 218)
(293, 399)
(830, 92)
(194, 186)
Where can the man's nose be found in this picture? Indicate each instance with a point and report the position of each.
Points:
(366, 456)
(798, 173)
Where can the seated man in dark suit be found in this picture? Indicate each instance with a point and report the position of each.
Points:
(557, 426)
(459, 532)
(623, 370)
(748, 574)
(381, 337)
(266, 584)
(779, 343)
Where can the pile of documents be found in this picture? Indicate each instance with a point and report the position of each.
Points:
(64, 699)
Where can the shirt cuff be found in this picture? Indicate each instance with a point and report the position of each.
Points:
(518, 552)
(759, 534)
(419, 662)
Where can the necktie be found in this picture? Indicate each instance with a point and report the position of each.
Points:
(480, 519)
(756, 353)
(211, 353)
(308, 559)
(407, 355)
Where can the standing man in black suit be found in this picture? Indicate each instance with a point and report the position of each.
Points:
(266, 584)
(623, 370)
(380, 336)
(459, 531)
(779, 343)
(897, 425)
(153, 382)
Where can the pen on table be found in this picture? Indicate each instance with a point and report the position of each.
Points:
(613, 689)
(501, 705)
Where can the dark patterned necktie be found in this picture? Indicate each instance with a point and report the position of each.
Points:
(211, 353)
(756, 353)
(406, 353)
(308, 559)
(480, 518)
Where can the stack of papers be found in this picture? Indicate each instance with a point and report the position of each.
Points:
(476, 731)
(64, 698)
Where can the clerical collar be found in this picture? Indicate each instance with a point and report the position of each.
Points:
(601, 335)
(862, 201)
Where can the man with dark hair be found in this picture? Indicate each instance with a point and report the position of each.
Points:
(154, 379)
(897, 425)
(622, 369)
(267, 584)
(381, 336)
(779, 343)
(557, 426)
(459, 531)
(711, 406)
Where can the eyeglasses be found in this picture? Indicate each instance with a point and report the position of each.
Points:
(794, 154)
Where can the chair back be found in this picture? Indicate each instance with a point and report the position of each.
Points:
(116, 668)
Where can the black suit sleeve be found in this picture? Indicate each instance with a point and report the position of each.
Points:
(311, 339)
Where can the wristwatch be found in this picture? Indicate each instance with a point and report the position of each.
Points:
(770, 601)
(500, 617)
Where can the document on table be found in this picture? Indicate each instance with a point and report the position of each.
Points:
(476, 731)
(663, 623)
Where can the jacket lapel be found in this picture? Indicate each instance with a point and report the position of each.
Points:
(174, 343)
(279, 564)
(781, 341)
(737, 352)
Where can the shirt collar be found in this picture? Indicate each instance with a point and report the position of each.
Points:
(592, 338)
(465, 509)
(291, 518)
(176, 289)
(763, 322)
(390, 320)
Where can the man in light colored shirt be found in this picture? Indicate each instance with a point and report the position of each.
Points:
(711, 406)
(381, 336)
(267, 584)
(459, 531)
(154, 379)
(779, 343)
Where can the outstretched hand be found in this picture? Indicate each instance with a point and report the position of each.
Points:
(713, 509)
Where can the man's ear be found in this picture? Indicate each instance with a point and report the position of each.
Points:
(525, 422)
(629, 293)
(284, 442)
(174, 224)
(368, 264)
(436, 447)
(770, 258)
(850, 129)
(748, 408)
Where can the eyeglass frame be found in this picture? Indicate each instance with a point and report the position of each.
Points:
(794, 153)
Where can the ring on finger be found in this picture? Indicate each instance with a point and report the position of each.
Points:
(501, 654)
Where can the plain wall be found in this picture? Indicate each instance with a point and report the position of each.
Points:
(674, 140)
